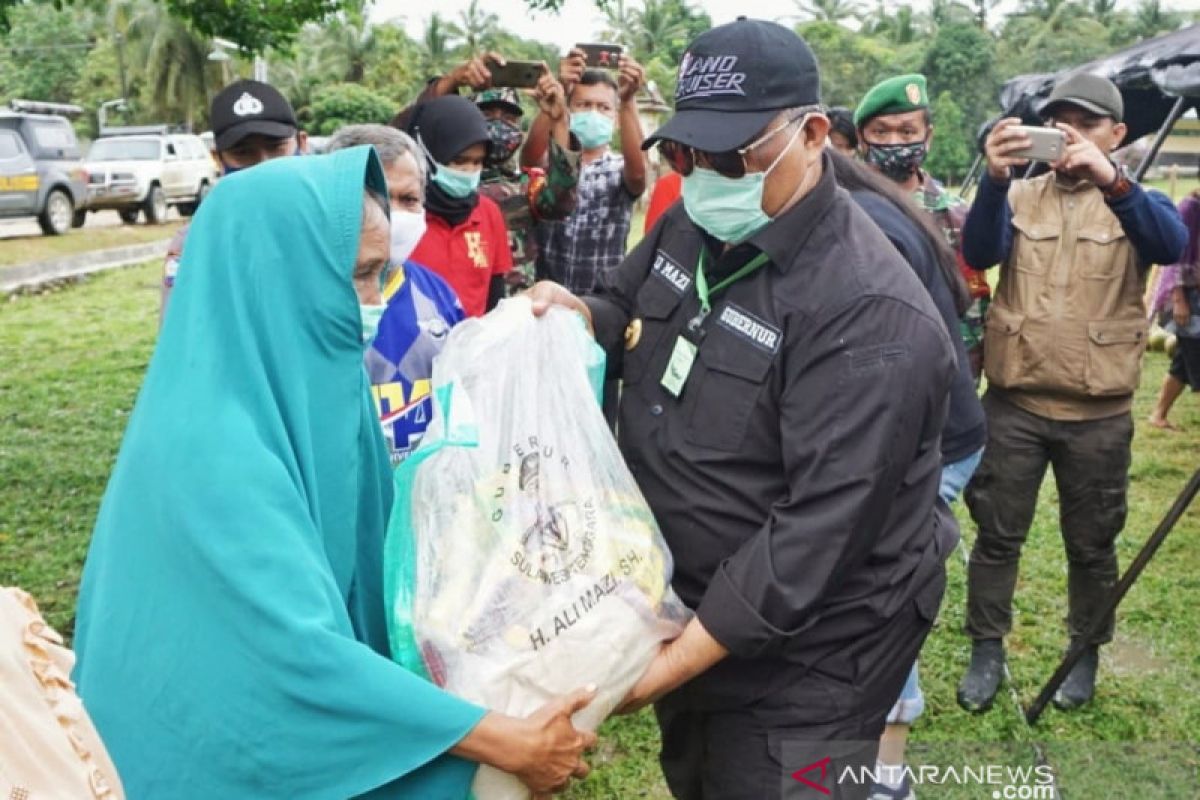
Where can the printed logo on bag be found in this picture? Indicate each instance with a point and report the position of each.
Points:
(709, 76)
(665, 268)
(557, 537)
(557, 541)
(247, 105)
(761, 334)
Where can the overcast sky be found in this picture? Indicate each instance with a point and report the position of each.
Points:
(580, 20)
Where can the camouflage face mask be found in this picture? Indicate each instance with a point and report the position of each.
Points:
(897, 161)
(504, 139)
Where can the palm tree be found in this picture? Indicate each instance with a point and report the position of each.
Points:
(1151, 19)
(173, 59)
(829, 10)
(1103, 11)
(659, 25)
(903, 27)
(477, 28)
(950, 12)
(347, 45)
(437, 46)
(300, 74)
(1045, 10)
(620, 21)
(982, 8)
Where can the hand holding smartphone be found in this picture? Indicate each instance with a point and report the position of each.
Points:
(1046, 144)
(515, 74)
(602, 56)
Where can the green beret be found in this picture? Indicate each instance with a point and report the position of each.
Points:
(893, 96)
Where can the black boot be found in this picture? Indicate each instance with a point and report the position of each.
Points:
(1080, 684)
(978, 687)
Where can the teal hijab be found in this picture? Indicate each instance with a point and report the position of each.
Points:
(231, 632)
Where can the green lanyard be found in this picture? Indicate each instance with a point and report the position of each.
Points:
(705, 294)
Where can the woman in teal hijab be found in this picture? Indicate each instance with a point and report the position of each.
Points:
(230, 632)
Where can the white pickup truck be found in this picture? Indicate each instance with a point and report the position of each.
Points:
(148, 172)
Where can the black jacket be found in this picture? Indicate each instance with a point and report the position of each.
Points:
(796, 476)
(966, 427)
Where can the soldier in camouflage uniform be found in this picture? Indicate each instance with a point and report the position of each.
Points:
(525, 196)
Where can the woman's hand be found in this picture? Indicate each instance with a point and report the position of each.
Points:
(544, 750)
(550, 751)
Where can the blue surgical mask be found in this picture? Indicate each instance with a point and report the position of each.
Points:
(729, 208)
(371, 314)
(592, 128)
(456, 183)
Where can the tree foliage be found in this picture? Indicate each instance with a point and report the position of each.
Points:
(950, 153)
(46, 48)
(347, 104)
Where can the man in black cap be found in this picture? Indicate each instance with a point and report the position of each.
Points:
(252, 123)
(1065, 337)
(785, 385)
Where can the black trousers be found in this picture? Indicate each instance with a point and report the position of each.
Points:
(1091, 467)
(834, 708)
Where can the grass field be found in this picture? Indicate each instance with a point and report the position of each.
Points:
(72, 363)
(17, 250)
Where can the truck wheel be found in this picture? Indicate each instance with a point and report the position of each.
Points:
(155, 206)
(56, 217)
(129, 215)
(188, 209)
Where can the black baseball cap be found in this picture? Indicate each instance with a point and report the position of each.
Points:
(734, 79)
(1091, 92)
(244, 108)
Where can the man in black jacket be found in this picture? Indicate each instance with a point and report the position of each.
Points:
(785, 387)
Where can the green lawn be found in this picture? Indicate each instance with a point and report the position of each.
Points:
(16, 250)
(73, 360)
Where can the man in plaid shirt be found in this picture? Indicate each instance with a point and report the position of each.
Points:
(574, 251)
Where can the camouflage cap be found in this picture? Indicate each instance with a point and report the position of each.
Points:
(500, 96)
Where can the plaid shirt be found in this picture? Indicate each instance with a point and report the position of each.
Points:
(576, 250)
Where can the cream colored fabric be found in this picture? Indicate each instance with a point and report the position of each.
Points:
(49, 749)
(1067, 325)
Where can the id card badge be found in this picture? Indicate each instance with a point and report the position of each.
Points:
(679, 367)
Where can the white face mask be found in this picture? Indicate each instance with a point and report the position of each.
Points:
(407, 229)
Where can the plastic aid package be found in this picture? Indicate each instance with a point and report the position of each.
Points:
(522, 561)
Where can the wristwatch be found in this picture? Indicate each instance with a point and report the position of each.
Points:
(1120, 186)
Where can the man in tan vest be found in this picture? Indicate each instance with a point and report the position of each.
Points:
(1065, 333)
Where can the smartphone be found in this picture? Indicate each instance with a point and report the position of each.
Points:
(602, 56)
(516, 74)
(1046, 144)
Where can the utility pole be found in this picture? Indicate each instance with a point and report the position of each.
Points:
(120, 40)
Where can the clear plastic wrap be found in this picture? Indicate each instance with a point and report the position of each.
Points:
(522, 561)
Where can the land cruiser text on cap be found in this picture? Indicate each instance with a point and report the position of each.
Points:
(734, 79)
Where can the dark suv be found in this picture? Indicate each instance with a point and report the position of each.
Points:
(41, 169)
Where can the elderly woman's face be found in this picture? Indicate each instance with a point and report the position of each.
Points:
(374, 247)
(405, 190)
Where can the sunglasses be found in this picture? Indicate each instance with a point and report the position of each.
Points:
(730, 163)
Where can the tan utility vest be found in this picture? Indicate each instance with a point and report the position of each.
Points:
(1067, 326)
